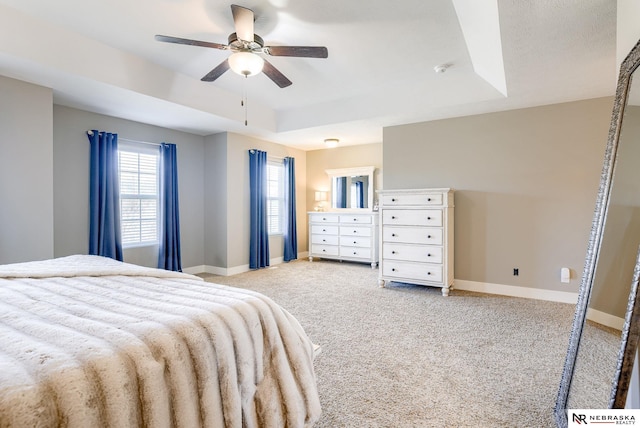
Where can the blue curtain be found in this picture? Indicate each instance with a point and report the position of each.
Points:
(360, 194)
(341, 192)
(290, 230)
(259, 234)
(169, 249)
(104, 196)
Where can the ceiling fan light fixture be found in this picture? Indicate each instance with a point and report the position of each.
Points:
(331, 142)
(246, 63)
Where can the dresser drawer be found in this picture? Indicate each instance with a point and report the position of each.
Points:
(328, 250)
(412, 217)
(412, 235)
(355, 241)
(412, 253)
(355, 231)
(402, 199)
(324, 218)
(408, 271)
(364, 253)
(355, 219)
(325, 239)
(321, 229)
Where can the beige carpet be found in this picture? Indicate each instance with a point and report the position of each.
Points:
(404, 356)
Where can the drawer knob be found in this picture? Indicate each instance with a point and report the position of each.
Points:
(428, 273)
(428, 255)
(354, 253)
(429, 236)
(355, 242)
(393, 234)
(324, 218)
(393, 199)
(428, 218)
(428, 199)
(324, 230)
(393, 269)
(324, 240)
(393, 217)
(355, 231)
(393, 252)
(355, 219)
(324, 251)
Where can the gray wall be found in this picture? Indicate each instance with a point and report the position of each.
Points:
(621, 234)
(526, 184)
(238, 196)
(71, 182)
(26, 172)
(215, 198)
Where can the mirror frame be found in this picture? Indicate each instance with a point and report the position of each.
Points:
(630, 329)
(361, 170)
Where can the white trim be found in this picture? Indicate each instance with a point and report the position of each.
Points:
(515, 291)
(605, 319)
(193, 270)
(539, 294)
(233, 270)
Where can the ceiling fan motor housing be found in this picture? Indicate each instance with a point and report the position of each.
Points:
(235, 44)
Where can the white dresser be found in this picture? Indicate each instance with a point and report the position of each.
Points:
(416, 237)
(344, 236)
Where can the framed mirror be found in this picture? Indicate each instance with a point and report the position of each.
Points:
(604, 336)
(351, 188)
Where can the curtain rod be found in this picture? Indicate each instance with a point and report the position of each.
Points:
(126, 140)
(274, 158)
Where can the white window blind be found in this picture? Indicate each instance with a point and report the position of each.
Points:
(138, 168)
(275, 196)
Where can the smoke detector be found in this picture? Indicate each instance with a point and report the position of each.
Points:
(441, 68)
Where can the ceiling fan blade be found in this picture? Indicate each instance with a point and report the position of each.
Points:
(216, 72)
(275, 75)
(243, 21)
(178, 40)
(299, 51)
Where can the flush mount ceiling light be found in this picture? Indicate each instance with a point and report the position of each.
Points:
(331, 142)
(246, 63)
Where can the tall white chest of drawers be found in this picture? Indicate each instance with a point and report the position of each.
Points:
(344, 236)
(416, 237)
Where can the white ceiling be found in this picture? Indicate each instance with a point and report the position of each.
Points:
(101, 56)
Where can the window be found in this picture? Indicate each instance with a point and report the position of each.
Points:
(275, 196)
(138, 169)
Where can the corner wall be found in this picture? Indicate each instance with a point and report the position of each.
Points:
(526, 183)
(26, 172)
(71, 183)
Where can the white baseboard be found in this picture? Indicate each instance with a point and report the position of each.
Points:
(539, 294)
(605, 319)
(515, 291)
(194, 269)
(459, 284)
(215, 270)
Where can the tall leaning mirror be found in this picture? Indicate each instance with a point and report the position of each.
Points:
(604, 336)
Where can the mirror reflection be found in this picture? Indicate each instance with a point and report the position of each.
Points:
(352, 188)
(598, 351)
(350, 191)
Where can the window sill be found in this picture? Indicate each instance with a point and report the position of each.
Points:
(139, 245)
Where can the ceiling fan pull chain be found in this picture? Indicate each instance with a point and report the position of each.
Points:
(244, 99)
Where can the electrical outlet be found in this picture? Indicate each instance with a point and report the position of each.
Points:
(516, 272)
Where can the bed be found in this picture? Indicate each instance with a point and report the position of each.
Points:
(86, 341)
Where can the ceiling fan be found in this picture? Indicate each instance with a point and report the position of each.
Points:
(246, 46)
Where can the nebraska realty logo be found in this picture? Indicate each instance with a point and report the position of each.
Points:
(600, 417)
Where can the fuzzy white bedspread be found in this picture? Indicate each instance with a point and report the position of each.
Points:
(86, 341)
